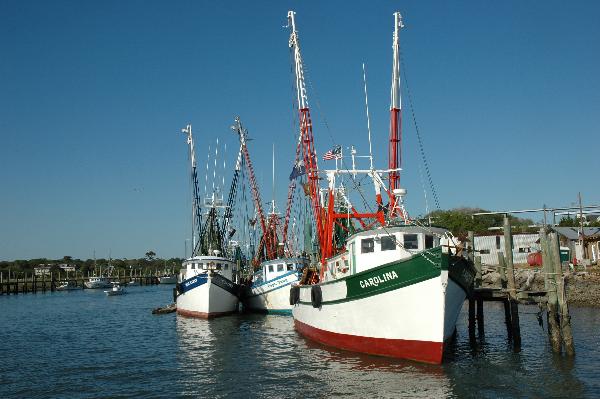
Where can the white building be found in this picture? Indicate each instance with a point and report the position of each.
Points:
(489, 246)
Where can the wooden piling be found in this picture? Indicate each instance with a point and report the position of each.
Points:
(550, 285)
(480, 317)
(506, 303)
(512, 291)
(565, 318)
(471, 320)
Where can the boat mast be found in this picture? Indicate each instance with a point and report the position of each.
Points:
(269, 240)
(395, 144)
(306, 134)
(196, 211)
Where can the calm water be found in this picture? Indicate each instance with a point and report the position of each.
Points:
(85, 345)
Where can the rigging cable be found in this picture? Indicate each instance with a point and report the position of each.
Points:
(421, 148)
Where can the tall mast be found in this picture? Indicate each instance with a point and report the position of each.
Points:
(196, 211)
(395, 145)
(269, 238)
(306, 133)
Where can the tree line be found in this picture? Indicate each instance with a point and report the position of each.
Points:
(149, 262)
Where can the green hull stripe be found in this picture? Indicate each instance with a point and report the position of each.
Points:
(392, 276)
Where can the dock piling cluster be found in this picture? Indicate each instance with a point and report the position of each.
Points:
(554, 297)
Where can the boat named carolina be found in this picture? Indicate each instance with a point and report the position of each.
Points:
(383, 283)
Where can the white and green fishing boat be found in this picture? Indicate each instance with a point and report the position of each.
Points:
(383, 284)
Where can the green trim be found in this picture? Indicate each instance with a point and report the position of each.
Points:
(392, 276)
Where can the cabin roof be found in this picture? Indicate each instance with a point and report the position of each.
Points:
(399, 229)
(284, 260)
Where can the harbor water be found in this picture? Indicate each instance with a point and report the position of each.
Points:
(83, 344)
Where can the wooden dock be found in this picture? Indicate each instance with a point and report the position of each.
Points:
(32, 284)
(553, 298)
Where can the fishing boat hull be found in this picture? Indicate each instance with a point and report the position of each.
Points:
(94, 284)
(405, 309)
(207, 296)
(271, 296)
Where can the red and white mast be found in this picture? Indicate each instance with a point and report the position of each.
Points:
(306, 133)
(395, 145)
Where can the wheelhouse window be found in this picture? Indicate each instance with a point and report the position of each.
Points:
(192, 265)
(280, 267)
(367, 245)
(290, 266)
(411, 241)
(226, 266)
(218, 266)
(388, 243)
(428, 241)
(202, 266)
(270, 268)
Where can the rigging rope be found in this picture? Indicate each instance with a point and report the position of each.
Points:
(421, 148)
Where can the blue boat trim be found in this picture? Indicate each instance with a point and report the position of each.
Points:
(281, 312)
(276, 278)
(225, 284)
(274, 289)
(192, 282)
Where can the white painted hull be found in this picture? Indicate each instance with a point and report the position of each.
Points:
(410, 322)
(206, 301)
(97, 284)
(272, 296)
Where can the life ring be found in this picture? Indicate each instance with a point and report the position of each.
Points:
(316, 296)
(294, 295)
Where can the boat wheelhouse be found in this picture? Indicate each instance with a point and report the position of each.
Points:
(269, 291)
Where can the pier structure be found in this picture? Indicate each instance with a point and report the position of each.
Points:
(553, 299)
(32, 284)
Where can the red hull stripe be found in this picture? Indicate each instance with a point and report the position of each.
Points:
(421, 351)
(202, 315)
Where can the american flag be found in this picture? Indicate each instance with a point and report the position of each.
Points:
(334, 153)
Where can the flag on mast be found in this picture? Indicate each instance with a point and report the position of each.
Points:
(298, 170)
(334, 153)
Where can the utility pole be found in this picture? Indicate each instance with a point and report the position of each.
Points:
(581, 234)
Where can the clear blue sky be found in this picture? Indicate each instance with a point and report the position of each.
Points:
(93, 96)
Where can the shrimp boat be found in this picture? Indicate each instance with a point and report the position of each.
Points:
(269, 292)
(207, 284)
(384, 284)
(268, 289)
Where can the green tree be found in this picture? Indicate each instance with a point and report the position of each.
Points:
(150, 255)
